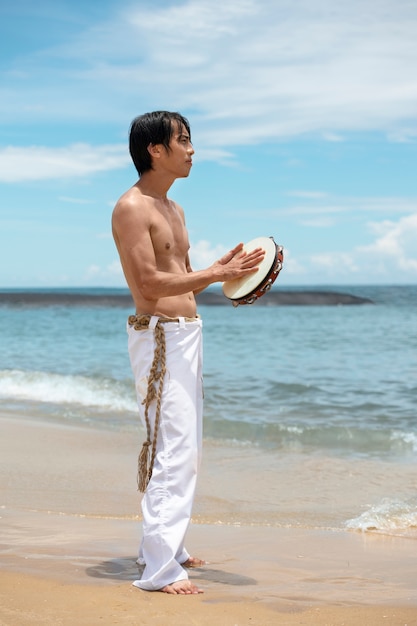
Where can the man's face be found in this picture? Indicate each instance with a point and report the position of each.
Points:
(180, 151)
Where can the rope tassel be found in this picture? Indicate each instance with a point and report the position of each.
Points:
(144, 474)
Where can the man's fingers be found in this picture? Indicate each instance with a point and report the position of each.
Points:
(254, 257)
(244, 259)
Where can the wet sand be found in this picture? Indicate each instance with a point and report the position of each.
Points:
(70, 530)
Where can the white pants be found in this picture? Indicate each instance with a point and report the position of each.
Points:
(168, 499)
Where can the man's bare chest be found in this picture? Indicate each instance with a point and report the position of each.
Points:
(169, 235)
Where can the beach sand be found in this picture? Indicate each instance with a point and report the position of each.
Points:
(70, 531)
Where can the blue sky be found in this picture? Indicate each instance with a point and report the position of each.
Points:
(303, 117)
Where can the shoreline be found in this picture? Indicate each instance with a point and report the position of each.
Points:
(70, 534)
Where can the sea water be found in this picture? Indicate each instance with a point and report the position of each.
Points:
(334, 383)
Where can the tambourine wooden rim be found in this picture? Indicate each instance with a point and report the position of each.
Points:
(250, 288)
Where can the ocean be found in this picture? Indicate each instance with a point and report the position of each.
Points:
(314, 406)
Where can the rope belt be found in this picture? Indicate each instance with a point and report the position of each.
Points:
(154, 390)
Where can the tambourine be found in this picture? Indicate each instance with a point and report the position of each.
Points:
(250, 288)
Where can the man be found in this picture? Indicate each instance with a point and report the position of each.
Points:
(164, 341)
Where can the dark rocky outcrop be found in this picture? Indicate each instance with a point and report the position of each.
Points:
(121, 298)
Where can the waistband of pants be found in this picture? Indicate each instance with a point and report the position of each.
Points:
(141, 321)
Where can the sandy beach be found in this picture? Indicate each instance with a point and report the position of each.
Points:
(71, 526)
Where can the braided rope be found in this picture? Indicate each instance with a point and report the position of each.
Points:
(154, 390)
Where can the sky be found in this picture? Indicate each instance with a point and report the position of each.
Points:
(303, 116)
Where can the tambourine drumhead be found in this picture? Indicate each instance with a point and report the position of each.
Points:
(242, 287)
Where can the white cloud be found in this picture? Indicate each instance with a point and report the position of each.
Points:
(263, 69)
(203, 254)
(92, 272)
(224, 157)
(247, 71)
(74, 161)
(403, 135)
(292, 267)
(111, 274)
(334, 263)
(395, 246)
(115, 268)
(333, 137)
(74, 200)
(392, 257)
(321, 204)
(318, 222)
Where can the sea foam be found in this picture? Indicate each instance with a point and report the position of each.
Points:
(389, 515)
(69, 389)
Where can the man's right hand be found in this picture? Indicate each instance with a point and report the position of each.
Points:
(237, 263)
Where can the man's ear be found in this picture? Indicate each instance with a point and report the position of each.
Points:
(154, 149)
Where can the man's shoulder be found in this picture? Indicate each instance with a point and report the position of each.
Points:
(131, 197)
(132, 201)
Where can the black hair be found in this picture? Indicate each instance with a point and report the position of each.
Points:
(152, 128)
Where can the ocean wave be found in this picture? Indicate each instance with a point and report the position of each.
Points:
(387, 516)
(308, 432)
(78, 390)
(81, 396)
(409, 439)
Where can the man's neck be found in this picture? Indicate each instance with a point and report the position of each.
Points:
(154, 185)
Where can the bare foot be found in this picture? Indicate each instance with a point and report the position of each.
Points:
(181, 587)
(193, 562)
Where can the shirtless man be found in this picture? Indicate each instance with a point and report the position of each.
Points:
(152, 241)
